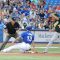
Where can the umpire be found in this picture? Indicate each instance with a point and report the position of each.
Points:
(11, 28)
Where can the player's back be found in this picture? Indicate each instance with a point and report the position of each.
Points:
(28, 37)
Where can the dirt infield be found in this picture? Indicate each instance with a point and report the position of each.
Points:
(29, 54)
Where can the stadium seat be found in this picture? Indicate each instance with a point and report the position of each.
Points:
(52, 3)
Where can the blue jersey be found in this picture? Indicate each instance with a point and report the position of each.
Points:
(27, 37)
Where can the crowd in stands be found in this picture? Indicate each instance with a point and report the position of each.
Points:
(27, 13)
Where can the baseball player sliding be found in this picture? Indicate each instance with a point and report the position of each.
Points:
(27, 39)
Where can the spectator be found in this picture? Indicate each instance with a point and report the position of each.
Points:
(41, 14)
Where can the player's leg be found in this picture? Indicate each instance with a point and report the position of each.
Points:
(21, 46)
(25, 47)
(16, 46)
(54, 37)
(5, 42)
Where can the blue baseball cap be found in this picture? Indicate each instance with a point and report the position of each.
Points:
(29, 28)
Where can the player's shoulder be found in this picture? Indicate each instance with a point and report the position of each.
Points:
(30, 33)
(23, 33)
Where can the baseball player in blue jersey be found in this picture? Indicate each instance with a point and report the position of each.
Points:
(27, 39)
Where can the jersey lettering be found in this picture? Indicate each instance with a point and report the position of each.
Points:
(29, 37)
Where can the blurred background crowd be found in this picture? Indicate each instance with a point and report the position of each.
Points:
(28, 13)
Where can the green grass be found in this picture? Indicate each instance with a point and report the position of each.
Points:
(28, 58)
(50, 50)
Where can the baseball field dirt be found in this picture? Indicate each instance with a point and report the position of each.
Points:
(30, 54)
